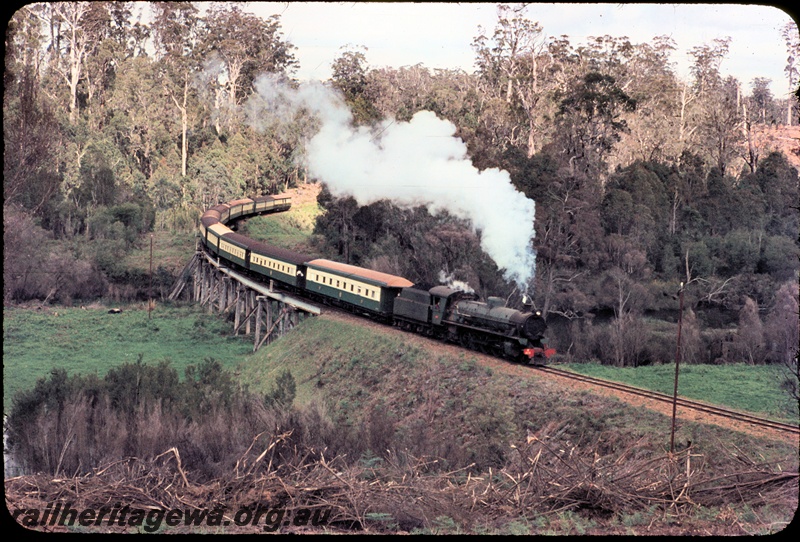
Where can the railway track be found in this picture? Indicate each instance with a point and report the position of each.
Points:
(617, 386)
(647, 394)
(684, 403)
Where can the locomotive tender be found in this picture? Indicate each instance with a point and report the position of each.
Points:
(441, 312)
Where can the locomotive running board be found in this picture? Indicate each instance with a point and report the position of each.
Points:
(265, 291)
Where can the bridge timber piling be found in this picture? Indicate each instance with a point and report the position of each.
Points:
(267, 312)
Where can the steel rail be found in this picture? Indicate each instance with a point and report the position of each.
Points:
(686, 403)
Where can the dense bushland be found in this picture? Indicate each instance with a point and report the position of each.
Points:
(68, 424)
(642, 180)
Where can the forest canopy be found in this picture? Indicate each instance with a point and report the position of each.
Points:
(114, 128)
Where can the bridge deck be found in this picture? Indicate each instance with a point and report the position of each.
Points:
(264, 290)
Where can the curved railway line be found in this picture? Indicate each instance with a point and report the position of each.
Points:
(227, 243)
(682, 402)
(687, 404)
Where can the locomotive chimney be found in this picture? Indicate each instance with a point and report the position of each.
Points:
(527, 302)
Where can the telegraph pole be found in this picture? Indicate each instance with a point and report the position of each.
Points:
(150, 293)
(677, 364)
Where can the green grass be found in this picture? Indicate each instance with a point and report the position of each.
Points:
(316, 348)
(291, 229)
(91, 341)
(752, 388)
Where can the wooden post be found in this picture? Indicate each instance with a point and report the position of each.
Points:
(258, 323)
(207, 277)
(237, 311)
(201, 277)
(251, 296)
(268, 320)
(213, 290)
(222, 298)
(677, 364)
(150, 293)
(196, 281)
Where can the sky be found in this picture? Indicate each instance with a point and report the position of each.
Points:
(439, 35)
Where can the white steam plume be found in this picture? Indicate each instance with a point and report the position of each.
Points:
(451, 282)
(414, 163)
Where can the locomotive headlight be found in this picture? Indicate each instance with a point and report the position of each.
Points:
(538, 313)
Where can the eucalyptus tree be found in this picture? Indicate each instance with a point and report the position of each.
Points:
(762, 103)
(792, 70)
(569, 232)
(701, 103)
(400, 92)
(111, 23)
(247, 46)
(502, 62)
(450, 93)
(722, 124)
(349, 75)
(176, 29)
(757, 109)
(649, 79)
(140, 116)
(699, 91)
(30, 130)
(707, 59)
(74, 35)
(590, 122)
(714, 118)
(644, 73)
(510, 81)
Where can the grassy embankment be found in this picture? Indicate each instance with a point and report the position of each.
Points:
(751, 388)
(291, 229)
(356, 370)
(387, 396)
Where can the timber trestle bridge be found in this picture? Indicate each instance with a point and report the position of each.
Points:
(257, 308)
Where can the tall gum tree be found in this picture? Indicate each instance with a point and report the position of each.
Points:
(508, 66)
(248, 46)
(71, 41)
(792, 38)
(176, 28)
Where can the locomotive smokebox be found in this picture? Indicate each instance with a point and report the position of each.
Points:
(535, 327)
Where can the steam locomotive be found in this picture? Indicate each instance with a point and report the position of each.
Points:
(441, 312)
